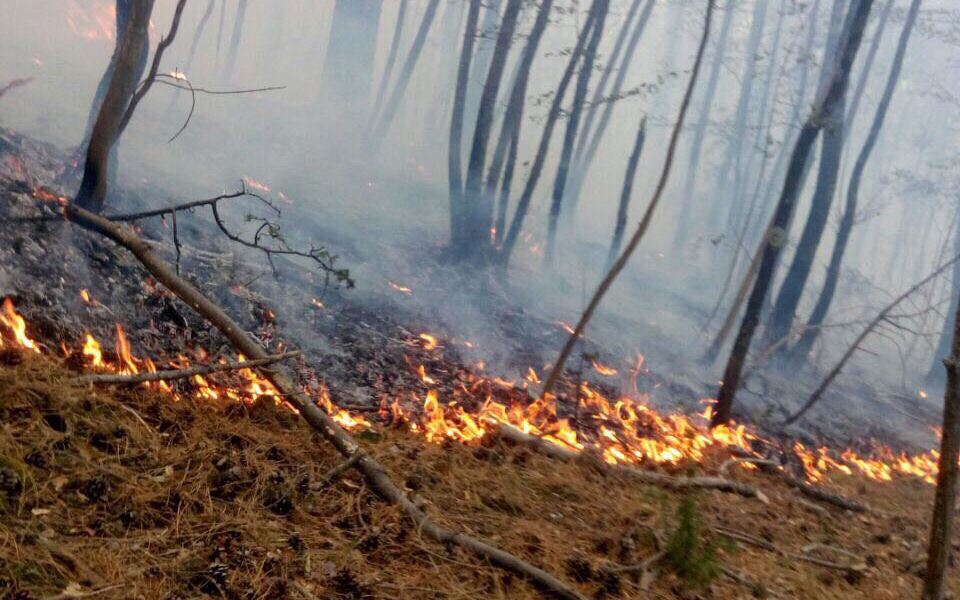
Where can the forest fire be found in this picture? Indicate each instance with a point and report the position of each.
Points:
(621, 431)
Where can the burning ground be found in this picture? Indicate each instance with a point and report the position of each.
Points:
(211, 486)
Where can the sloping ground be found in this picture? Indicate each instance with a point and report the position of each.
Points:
(136, 496)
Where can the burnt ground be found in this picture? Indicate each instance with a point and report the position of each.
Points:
(134, 484)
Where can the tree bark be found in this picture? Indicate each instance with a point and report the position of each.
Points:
(802, 348)
(479, 206)
(621, 223)
(406, 74)
(570, 135)
(827, 97)
(941, 527)
(455, 149)
(130, 55)
(557, 370)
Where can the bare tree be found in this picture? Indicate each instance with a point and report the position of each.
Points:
(234, 51)
(348, 67)
(391, 57)
(828, 95)
(621, 224)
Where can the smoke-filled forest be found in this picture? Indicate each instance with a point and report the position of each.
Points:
(479, 299)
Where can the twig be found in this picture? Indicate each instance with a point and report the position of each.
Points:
(68, 595)
(14, 84)
(372, 471)
(174, 374)
(752, 540)
(335, 473)
(641, 566)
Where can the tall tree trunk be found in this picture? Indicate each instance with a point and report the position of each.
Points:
(523, 204)
(234, 50)
(941, 527)
(455, 148)
(595, 134)
(348, 66)
(700, 129)
(827, 97)
(785, 308)
(486, 37)
(570, 135)
(406, 74)
(802, 348)
(391, 58)
(621, 223)
(479, 206)
(123, 17)
(222, 20)
(132, 47)
(857, 95)
(507, 143)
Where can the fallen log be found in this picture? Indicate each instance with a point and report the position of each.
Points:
(372, 471)
(174, 374)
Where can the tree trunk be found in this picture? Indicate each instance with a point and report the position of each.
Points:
(595, 135)
(523, 204)
(508, 142)
(132, 47)
(348, 66)
(481, 61)
(406, 74)
(391, 57)
(479, 206)
(785, 308)
(222, 20)
(941, 527)
(234, 50)
(455, 149)
(802, 348)
(625, 194)
(700, 130)
(570, 135)
(827, 98)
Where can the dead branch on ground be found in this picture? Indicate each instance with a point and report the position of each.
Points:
(372, 471)
(752, 540)
(174, 374)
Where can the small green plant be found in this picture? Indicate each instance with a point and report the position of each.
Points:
(692, 555)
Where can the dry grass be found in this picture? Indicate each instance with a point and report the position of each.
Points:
(138, 497)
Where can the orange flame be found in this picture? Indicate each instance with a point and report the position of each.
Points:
(15, 323)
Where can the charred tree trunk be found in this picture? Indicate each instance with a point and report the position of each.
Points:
(391, 57)
(479, 206)
(455, 151)
(406, 74)
(827, 98)
(348, 66)
(234, 50)
(601, 7)
(595, 135)
(504, 201)
(621, 224)
(123, 17)
(523, 204)
(132, 47)
(486, 41)
(802, 348)
(941, 527)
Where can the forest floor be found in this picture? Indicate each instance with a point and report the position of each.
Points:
(126, 493)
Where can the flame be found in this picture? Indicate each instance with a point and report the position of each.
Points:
(603, 369)
(92, 23)
(15, 323)
(257, 185)
(315, 302)
(429, 342)
(621, 431)
(400, 288)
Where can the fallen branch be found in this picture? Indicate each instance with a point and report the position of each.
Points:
(752, 540)
(335, 473)
(174, 374)
(372, 471)
(670, 482)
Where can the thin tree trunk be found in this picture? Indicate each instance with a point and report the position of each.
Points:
(234, 50)
(481, 62)
(811, 332)
(700, 130)
(570, 135)
(406, 74)
(348, 65)
(391, 57)
(596, 134)
(941, 526)
(479, 206)
(557, 370)
(857, 95)
(621, 224)
(455, 149)
(220, 25)
(523, 204)
(507, 143)
(827, 97)
(131, 48)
